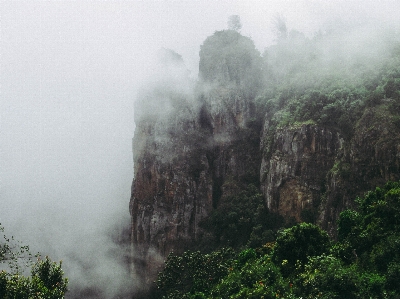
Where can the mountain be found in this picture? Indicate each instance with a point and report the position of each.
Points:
(259, 142)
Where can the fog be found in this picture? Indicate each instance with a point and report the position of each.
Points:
(70, 71)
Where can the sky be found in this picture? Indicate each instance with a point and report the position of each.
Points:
(70, 71)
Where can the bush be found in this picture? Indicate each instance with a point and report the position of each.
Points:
(347, 220)
(258, 278)
(302, 262)
(294, 245)
(325, 276)
(193, 272)
(373, 233)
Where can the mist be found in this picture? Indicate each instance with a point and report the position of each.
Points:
(70, 73)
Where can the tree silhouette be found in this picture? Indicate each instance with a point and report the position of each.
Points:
(234, 23)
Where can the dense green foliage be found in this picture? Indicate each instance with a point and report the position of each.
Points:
(296, 244)
(302, 262)
(373, 233)
(241, 218)
(194, 272)
(46, 280)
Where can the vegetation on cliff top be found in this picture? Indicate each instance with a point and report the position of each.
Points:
(326, 81)
(302, 262)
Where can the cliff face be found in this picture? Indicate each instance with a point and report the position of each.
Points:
(294, 173)
(185, 146)
(369, 159)
(191, 141)
(171, 189)
(181, 164)
(311, 173)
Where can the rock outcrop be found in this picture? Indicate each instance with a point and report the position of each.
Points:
(191, 139)
(187, 142)
(294, 173)
(311, 173)
(171, 189)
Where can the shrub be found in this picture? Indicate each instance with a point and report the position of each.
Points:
(193, 272)
(294, 245)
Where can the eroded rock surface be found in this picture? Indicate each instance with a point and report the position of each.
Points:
(294, 173)
(187, 142)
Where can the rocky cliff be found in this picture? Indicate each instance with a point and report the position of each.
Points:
(311, 173)
(193, 139)
(369, 159)
(294, 173)
(186, 144)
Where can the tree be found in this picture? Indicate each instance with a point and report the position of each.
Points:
(241, 218)
(13, 255)
(234, 23)
(280, 27)
(254, 277)
(373, 233)
(326, 276)
(46, 280)
(347, 220)
(298, 243)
